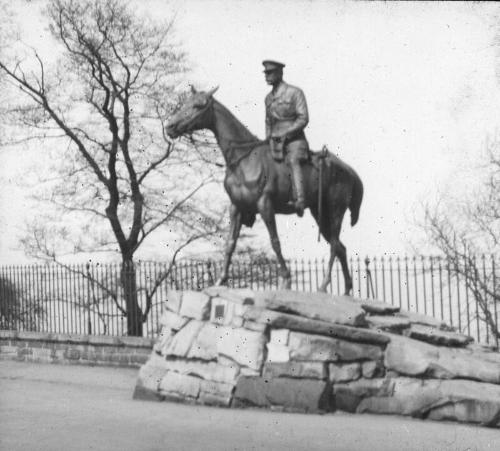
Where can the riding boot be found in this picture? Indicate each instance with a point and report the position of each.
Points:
(298, 182)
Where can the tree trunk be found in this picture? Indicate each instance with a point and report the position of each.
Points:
(129, 286)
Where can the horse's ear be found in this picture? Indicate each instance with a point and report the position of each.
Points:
(193, 89)
(212, 91)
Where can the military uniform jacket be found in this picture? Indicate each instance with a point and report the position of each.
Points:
(286, 112)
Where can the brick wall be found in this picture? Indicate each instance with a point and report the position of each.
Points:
(74, 349)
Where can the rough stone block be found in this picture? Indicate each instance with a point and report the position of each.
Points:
(146, 394)
(209, 399)
(179, 384)
(257, 327)
(204, 345)
(344, 372)
(301, 324)
(372, 368)
(418, 318)
(279, 336)
(458, 400)
(408, 356)
(237, 322)
(152, 373)
(437, 337)
(196, 305)
(173, 301)
(172, 320)
(415, 358)
(305, 370)
(453, 363)
(277, 353)
(389, 323)
(216, 393)
(294, 394)
(245, 371)
(243, 346)
(226, 361)
(377, 307)
(316, 347)
(163, 341)
(319, 306)
(210, 371)
(181, 342)
(349, 395)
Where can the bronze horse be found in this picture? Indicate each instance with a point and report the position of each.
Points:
(256, 183)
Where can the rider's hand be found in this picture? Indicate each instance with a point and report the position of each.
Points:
(279, 136)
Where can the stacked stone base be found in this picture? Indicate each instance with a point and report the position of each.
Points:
(309, 352)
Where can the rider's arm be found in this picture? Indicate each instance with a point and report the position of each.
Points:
(302, 115)
(268, 121)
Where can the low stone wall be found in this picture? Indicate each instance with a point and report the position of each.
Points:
(312, 352)
(74, 349)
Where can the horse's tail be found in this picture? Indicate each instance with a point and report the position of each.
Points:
(356, 198)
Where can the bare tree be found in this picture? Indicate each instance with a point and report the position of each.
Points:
(467, 231)
(116, 177)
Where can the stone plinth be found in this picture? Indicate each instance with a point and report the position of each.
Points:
(313, 352)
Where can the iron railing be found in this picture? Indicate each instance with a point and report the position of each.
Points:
(88, 298)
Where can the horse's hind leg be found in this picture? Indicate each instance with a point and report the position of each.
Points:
(234, 233)
(341, 254)
(337, 249)
(266, 210)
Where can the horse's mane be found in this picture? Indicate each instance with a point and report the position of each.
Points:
(250, 137)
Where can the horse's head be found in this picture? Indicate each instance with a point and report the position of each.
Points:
(192, 115)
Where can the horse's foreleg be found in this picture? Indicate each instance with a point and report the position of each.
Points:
(341, 254)
(234, 233)
(328, 276)
(266, 210)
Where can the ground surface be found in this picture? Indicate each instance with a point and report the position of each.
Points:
(57, 407)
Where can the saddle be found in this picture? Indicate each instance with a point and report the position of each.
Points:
(278, 150)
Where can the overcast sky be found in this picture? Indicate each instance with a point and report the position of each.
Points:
(404, 92)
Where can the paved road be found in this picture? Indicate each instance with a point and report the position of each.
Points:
(56, 407)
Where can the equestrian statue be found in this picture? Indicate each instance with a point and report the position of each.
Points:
(278, 175)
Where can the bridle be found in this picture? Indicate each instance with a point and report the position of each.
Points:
(200, 113)
(239, 144)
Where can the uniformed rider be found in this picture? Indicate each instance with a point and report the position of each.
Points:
(286, 118)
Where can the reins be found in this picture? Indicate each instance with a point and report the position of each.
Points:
(252, 144)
